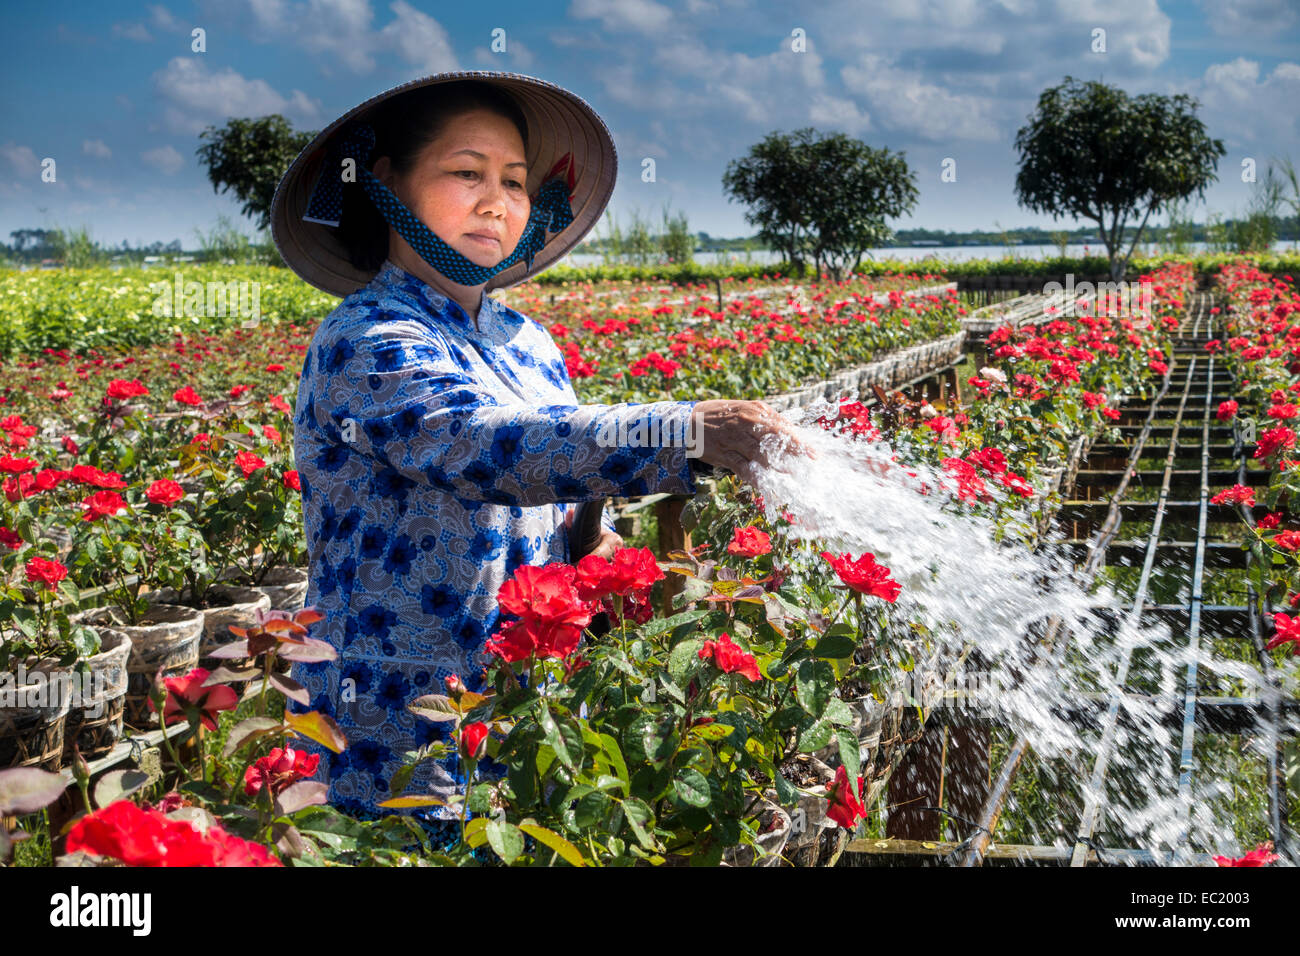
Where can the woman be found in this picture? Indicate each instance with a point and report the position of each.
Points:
(438, 439)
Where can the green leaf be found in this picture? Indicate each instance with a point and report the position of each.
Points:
(592, 809)
(849, 754)
(549, 838)
(835, 646)
(562, 735)
(684, 661)
(652, 739)
(815, 736)
(692, 787)
(117, 785)
(815, 682)
(641, 819)
(505, 839)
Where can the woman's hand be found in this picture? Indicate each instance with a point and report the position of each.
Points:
(609, 543)
(730, 434)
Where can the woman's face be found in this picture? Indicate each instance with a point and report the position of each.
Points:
(469, 186)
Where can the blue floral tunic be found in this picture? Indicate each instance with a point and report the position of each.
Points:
(432, 458)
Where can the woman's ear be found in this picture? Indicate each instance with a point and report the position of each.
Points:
(383, 170)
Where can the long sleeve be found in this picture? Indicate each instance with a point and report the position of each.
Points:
(405, 398)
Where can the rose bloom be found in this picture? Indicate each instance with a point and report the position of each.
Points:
(120, 389)
(137, 837)
(631, 572)
(730, 658)
(473, 741)
(864, 575)
(103, 504)
(188, 691)
(1227, 410)
(165, 492)
(1287, 540)
(749, 542)
(248, 462)
(187, 396)
(45, 571)
(291, 480)
(845, 808)
(1262, 855)
(279, 769)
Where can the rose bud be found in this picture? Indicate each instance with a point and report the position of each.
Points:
(473, 741)
(455, 686)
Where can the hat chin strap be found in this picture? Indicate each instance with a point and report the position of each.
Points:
(551, 211)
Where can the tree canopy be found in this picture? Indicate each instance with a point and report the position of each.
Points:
(248, 157)
(824, 198)
(1092, 152)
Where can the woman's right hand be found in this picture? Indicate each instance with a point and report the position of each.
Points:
(730, 435)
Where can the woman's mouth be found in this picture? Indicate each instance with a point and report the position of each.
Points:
(485, 239)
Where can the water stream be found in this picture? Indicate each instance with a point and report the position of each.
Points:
(964, 586)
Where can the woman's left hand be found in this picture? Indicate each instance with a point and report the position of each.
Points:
(609, 543)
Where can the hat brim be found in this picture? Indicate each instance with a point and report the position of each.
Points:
(559, 123)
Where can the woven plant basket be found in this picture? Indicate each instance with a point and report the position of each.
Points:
(95, 725)
(168, 639)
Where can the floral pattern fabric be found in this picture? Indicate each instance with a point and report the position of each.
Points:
(435, 458)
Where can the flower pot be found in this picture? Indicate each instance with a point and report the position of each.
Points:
(167, 639)
(227, 605)
(31, 731)
(285, 588)
(95, 721)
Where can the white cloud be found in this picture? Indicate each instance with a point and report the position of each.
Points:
(133, 31)
(96, 148)
(22, 159)
(643, 16)
(1249, 17)
(165, 159)
(421, 40)
(162, 19)
(1246, 109)
(903, 100)
(198, 97)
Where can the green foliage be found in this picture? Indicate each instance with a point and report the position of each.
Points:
(824, 198)
(248, 157)
(1091, 152)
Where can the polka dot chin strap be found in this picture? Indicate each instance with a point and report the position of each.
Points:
(550, 211)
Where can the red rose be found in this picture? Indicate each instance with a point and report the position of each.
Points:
(749, 542)
(1287, 632)
(279, 404)
(1236, 495)
(279, 769)
(275, 367)
(631, 572)
(271, 434)
(103, 504)
(291, 480)
(845, 808)
(188, 694)
(248, 462)
(45, 571)
(187, 396)
(70, 446)
(1227, 410)
(16, 466)
(120, 389)
(473, 741)
(864, 575)
(1262, 855)
(10, 539)
(165, 492)
(730, 658)
(140, 837)
(1287, 540)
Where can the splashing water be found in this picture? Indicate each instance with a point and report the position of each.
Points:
(965, 586)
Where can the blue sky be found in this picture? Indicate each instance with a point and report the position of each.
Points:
(112, 91)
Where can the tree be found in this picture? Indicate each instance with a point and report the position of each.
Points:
(248, 157)
(1089, 151)
(824, 198)
(854, 187)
